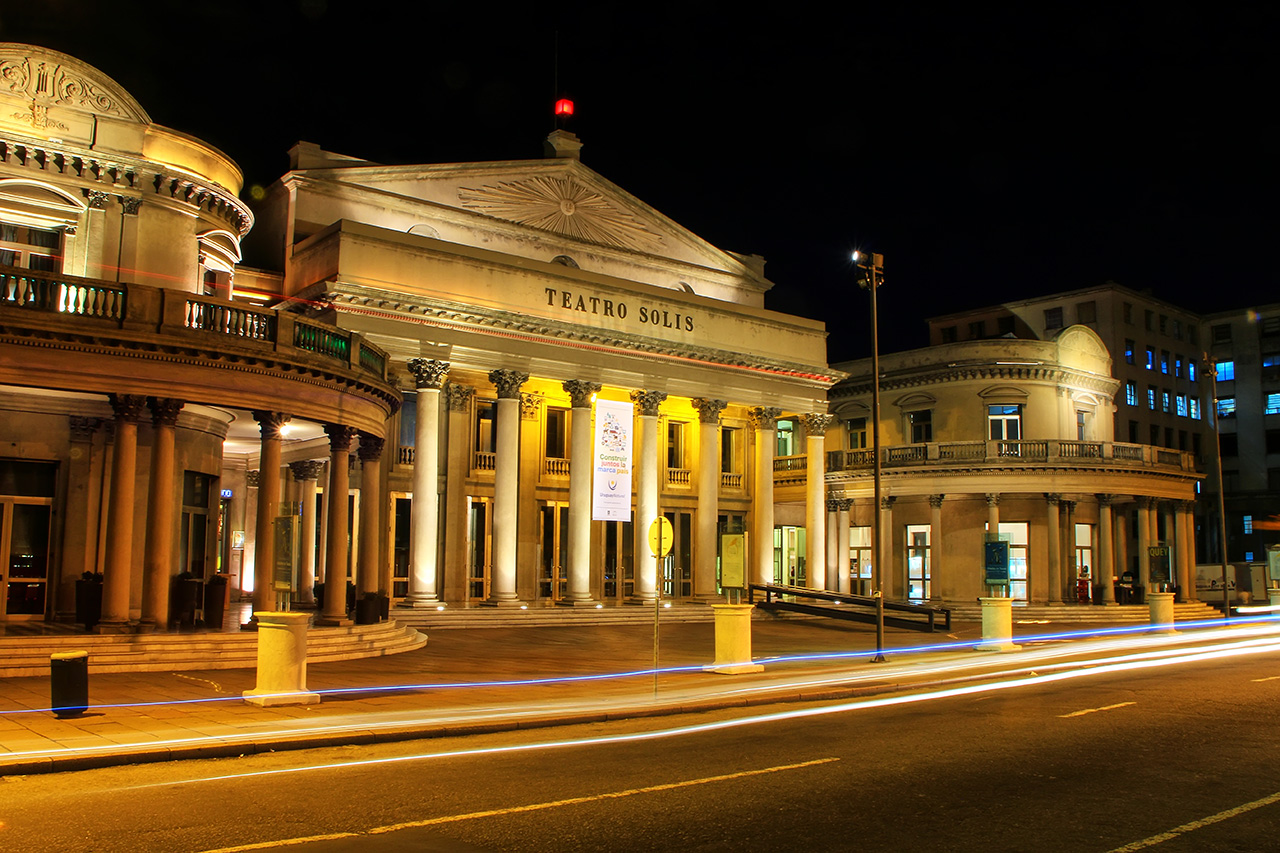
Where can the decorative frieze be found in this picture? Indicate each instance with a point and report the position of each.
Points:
(530, 405)
(252, 479)
(428, 373)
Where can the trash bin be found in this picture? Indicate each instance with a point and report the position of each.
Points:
(215, 602)
(89, 600)
(185, 600)
(69, 683)
(367, 610)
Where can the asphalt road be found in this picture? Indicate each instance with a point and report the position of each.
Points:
(1089, 764)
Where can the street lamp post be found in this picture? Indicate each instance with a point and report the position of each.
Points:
(871, 266)
(1211, 368)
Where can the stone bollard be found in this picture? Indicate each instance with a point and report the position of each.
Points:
(1273, 598)
(282, 661)
(1161, 604)
(733, 639)
(997, 626)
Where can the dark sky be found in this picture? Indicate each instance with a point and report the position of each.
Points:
(990, 154)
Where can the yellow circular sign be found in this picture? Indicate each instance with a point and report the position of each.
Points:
(660, 537)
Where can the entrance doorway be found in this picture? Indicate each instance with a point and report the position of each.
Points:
(677, 568)
(619, 555)
(553, 550)
(479, 550)
(788, 556)
(26, 511)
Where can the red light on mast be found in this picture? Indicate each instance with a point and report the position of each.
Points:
(564, 108)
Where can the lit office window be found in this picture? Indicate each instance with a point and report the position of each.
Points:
(1193, 403)
(1151, 397)
(1226, 370)
(1273, 405)
(1226, 407)
(1131, 393)
(1182, 405)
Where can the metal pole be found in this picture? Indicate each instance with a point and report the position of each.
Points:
(876, 568)
(1212, 369)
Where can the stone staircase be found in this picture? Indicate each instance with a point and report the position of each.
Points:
(540, 615)
(1085, 614)
(29, 655)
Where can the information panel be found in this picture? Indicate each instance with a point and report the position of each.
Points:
(611, 479)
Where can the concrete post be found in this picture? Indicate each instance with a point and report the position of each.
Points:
(733, 640)
(1161, 604)
(935, 547)
(842, 545)
(997, 625)
(1053, 530)
(282, 660)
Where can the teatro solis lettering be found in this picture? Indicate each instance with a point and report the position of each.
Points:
(662, 318)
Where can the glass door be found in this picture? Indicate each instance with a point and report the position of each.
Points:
(619, 554)
(677, 568)
(479, 537)
(24, 539)
(553, 550)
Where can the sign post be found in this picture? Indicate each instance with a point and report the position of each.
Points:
(996, 563)
(1158, 567)
(661, 537)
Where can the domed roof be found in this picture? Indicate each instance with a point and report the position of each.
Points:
(53, 79)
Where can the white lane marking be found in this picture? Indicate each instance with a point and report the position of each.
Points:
(1197, 824)
(532, 807)
(1268, 678)
(1095, 710)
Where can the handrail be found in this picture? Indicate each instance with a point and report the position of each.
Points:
(929, 611)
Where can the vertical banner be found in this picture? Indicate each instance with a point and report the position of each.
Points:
(611, 455)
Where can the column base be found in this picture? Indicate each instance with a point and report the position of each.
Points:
(639, 600)
(577, 602)
(105, 627)
(147, 626)
(265, 699)
(421, 604)
(512, 603)
(708, 598)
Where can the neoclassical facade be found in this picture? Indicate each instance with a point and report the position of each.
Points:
(510, 297)
(1011, 436)
(124, 363)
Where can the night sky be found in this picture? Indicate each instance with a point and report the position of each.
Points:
(989, 154)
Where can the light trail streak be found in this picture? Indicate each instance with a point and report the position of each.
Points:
(1185, 657)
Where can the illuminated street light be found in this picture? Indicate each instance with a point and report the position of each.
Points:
(871, 275)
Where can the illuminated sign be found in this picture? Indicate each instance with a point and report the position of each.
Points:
(611, 480)
(648, 314)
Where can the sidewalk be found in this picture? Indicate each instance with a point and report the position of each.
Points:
(451, 690)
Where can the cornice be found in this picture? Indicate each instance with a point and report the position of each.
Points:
(407, 308)
(1044, 374)
(123, 174)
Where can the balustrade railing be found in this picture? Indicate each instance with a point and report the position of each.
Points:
(62, 294)
(406, 456)
(228, 319)
(679, 477)
(481, 461)
(1127, 451)
(320, 340)
(906, 454)
(557, 467)
(1080, 449)
(790, 463)
(729, 480)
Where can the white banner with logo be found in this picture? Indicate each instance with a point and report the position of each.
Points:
(611, 455)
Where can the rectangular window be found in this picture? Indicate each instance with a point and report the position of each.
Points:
(1082, 426)
(557, 445)
(1149, 320)
(1273, 405)
(1193, 405)
(1226, 407)
(33, 248)
(675, 444)
(948, 334)
(729, 450)
(1193, 333)
(1230, 444)
(486, 426)
(1131, 393)
(1164, 361)
(786, 435)
(1087, 312)
(1248, 524)
(857, 433)
(1270, 326)
(1133, 432)
(921, 426)
(977, 329)
(1126, 309)
(1052, 318)
(1273, 479)
(1164, 400)
(1273, 441)
(1226, 370)
(1177, 366)
(1004, 423)
(1191, 369)
(1151, 397)
(1221, 333)
(1182, 405)
(1004, 325)
(1128, 350)
(1164, 324)
(1151, 358)
(1177, 329)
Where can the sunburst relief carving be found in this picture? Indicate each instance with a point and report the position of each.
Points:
(562, 206)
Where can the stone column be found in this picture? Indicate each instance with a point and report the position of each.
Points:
(1144, 541)
(306, 474)
(1183, 577)
(457, 466)
(815, 426)
(707, 516)
(369, 564)
(935, 547)
(1069, 567)
(890, 578)
(1187, 511)
(335, 546)
(1105, 569)
(1053, 530)
(842, 545)
(646, 403)
(424, 514)
(158, 560)
(832, 546)
(269, 425)
(116, 580)
(1121, 530)
(993, 515)
(765, 420)
(506, 481)
(580, 470)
